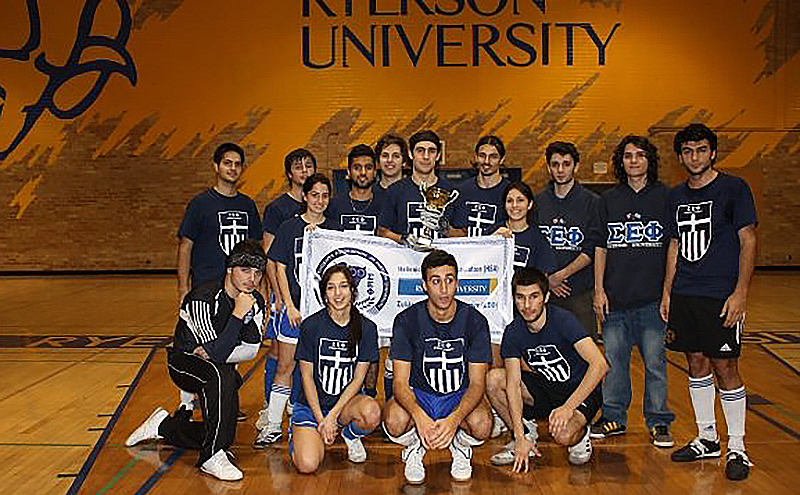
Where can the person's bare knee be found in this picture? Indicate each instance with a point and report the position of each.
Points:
(395, 419)
(306, 460)
(479, 422)
(699, 364)
(369, 414)
(727, 373)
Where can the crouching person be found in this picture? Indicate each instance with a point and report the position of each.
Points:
(220, 324)
(440, 350)
(553, 368)
(334, 351)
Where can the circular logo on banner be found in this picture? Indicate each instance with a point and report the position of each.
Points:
(371, 277)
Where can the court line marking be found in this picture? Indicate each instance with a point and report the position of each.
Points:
(774, 422)
(780, 359)
(87, 465)
(161, 470)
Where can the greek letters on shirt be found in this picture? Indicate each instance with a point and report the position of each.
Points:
(563, 237)
(635, 232)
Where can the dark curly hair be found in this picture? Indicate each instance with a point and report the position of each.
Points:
(643, 144)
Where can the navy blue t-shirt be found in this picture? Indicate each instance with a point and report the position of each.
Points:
(356, 216)
(287, 248)
(326, 345)
(550, 353)
(215, 223)
(281, 209)
(706, 222)
(400, 213)
(440, 353)
(568, 224)
(480, 211)
(531, 249)
(633, 232)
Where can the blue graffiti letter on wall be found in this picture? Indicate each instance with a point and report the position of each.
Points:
(58, 75)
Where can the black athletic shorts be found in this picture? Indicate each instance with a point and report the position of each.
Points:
(696, 326)
(545, 399)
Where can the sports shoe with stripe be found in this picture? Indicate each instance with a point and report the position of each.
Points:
(661, 437)
(604, 428)
(413, 455)
(697, 449)
(266, 437)
(461, 467)
(737, 465)
(220, 467)
(149, 429)
(581, 452)
(507, 455)
(355, 450)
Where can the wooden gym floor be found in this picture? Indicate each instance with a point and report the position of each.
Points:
(82, 364)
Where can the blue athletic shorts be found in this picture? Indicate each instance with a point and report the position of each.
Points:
(304, 416)
(286, 332)
(439, 406)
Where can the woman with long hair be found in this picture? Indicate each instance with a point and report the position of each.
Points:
(334, 352)
(531, 247)
(285, 252)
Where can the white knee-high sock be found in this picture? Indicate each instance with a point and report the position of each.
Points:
(734, 405)
(277, 403)
(703, 395)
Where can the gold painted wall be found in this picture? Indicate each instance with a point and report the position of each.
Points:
(111, 108)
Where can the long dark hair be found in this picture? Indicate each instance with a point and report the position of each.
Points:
(643, 144)
(354, 327)
(526, 191)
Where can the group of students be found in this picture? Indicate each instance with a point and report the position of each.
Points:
(669, 266)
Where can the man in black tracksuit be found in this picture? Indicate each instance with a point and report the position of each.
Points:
(567, 215)
(220, 324)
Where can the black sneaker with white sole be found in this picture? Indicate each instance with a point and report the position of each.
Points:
(697, 449)
(604, 428)
(737, 465)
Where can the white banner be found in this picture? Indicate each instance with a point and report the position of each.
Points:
(389, 280)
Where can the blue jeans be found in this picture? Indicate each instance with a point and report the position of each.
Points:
(622, 329)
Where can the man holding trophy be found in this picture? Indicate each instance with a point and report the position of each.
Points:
(418, 208)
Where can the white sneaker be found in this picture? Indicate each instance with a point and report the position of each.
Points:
(533, 429)
(413, 455)
(220, 467)
(355, 450)
(461, 468)
(506, 456)
(498, 427)
(581, 452)
(269, 435)
(149, 429)
(263, 419)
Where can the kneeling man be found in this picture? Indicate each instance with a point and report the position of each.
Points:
(553, 367)
(220, 324)
(440, 349)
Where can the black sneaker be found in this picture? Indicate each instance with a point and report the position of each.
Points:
(661, 437)
(240, 416)
(603, 428)
(697, 449)
(737, 465)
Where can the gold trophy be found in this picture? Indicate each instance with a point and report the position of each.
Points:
(436, 200)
